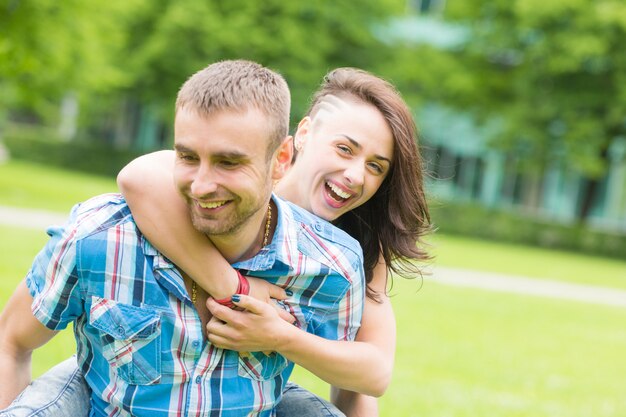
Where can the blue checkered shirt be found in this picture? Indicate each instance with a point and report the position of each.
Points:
(139, 337)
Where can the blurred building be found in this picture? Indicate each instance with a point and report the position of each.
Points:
(465, 168)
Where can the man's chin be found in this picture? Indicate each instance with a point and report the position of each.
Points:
(209, 227)
(202, 225)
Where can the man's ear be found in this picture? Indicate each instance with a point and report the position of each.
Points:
(282, 158)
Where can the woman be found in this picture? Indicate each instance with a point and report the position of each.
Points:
(357, 164)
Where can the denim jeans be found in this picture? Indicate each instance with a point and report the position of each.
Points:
(298, 402)
(62, 392)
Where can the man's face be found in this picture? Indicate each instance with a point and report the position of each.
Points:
(222, 171)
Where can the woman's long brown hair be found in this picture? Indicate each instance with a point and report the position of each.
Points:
(393, 223)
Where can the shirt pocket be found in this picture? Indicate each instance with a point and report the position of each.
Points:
(131, 339)
(259, 366)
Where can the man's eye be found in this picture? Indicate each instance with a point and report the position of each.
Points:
(186, 157)
(229, 164)
(344, 149)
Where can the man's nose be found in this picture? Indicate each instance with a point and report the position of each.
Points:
(204, 182)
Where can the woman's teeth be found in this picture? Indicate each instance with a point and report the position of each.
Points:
(338, 191)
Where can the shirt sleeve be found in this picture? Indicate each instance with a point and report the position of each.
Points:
(343, 321)
(337, 293)
(53, 279)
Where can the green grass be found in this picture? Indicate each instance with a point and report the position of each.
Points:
(24, 184)
(18, 247)
(461, 352)
(467, 353)
(464, 252)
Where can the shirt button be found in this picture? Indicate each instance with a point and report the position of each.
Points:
(318, 227)
(195, 343)
(198, 379)
(120, 331)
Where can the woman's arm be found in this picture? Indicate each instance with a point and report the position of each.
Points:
(364, 365)
(163, 217)
(353, 404)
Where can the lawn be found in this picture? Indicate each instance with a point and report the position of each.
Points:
(463, 252)
(17, 249)
(461, 352)
(464, 352)
(24, 184)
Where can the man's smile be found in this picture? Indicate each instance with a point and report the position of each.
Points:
(211, 204)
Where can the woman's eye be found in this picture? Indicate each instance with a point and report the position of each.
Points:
(376, 168)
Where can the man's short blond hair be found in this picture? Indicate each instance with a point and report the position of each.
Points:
(239, 85)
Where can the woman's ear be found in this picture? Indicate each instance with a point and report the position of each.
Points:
(302, 133)
(282, 158)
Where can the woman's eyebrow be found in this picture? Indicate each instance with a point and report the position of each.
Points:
(358, 146)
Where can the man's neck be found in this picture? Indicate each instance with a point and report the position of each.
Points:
(235, 251)
(288, 189)
(248, 241)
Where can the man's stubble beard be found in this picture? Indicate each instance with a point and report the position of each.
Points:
(220, 227)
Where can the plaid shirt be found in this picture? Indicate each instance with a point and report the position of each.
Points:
(139, 337)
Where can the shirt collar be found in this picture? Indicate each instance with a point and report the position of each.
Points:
(284, 244)
(165, 271)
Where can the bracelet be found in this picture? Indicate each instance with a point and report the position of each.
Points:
(243, 287)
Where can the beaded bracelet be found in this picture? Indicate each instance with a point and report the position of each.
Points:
(243, 287)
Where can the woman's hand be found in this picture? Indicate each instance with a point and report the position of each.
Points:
(260, 327)
(264, 291)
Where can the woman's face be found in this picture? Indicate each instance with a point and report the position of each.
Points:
(346, 151)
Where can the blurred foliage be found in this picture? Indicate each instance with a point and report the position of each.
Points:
(87, 156)
(48, 48)
(107, 51)
(554, 72)
(551, 73)
(506, 226)
(43, 187)
(173, 39)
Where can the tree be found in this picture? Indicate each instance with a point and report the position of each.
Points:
(48, 48)
(300, 39)
(553, 72)
(126, 59)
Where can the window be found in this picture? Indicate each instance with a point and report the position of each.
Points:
(426, 6)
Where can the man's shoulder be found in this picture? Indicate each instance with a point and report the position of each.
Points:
(324, 234)
(323, 228)
(97, 214)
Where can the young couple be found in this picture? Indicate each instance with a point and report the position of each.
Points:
(141, 323)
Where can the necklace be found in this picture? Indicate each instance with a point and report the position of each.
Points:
(266, 236)
(268, 224)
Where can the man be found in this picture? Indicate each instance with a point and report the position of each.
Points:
(138, 324)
